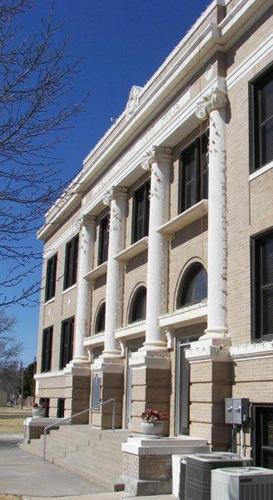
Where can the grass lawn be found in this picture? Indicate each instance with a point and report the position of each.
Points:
(11, 419)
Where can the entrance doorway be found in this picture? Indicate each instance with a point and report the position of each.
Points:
(263, 436)
(182, 387)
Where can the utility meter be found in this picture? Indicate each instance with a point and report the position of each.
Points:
(236, 411)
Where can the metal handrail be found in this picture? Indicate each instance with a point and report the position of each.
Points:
(102, 403)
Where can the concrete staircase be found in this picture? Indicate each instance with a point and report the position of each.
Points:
(93, 454)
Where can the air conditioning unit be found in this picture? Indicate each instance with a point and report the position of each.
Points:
(197, 473)
(242, 483)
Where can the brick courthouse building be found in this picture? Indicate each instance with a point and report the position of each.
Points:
(158, 260)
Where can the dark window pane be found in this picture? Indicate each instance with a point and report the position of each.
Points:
(100, 320)
(71, 262)
(267, 261)
(60, 408)
(262, 286)
(104, 240)
(47, 349)
(67, 338)
(141, 213)
(194, 173)
(51, 278)
(138, 306)
(266, 142)
(267, 316)
(266, 100)
(194, 286)
(204, 167)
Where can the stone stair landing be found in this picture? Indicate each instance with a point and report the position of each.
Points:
(84, 450)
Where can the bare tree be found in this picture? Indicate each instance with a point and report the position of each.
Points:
(35, 108)
(10, 348)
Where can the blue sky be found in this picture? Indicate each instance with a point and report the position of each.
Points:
(122, 43)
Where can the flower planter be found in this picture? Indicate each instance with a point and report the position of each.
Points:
(155, 429)
(38, 412)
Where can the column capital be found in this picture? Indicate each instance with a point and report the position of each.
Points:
(84, 220)
(214, 98)
(114, 193)
(154, 155)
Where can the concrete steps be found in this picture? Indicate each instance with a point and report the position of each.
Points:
(91, 453)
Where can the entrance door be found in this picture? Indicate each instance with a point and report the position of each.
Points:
(183, 387)
(263, 436)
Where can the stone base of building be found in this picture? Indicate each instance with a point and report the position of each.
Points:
(107, 382)
(147, 463)
(34, 427)
(151, 385)
(211, 375)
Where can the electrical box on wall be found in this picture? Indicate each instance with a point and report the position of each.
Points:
(236, 411)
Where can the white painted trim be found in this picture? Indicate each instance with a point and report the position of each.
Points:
(69, 289)
(131, 331)
(186, 316)
(93, 340)
(247, 65)
(133, 250)
(246, 352)
(50, 301)
(41, 376)
(261, 171)
(164, 446)
(69, 234)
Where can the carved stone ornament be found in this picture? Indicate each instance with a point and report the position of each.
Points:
(156, 154)
(113, 193)
(84, 220)
(215, 98)
(133, 100)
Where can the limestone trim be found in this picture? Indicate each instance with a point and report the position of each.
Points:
(94, 340)
(184, 219)
(45, 375)
(215, 98)
(209, 349)
(114, 193)
(131, 331)
(257, 350)
(133, 250)
(164, 446)
(97, 272)
(191, 315)
(157, 359)
(72, 287)
(261, 171)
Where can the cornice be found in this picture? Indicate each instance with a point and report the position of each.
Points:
(213, 38)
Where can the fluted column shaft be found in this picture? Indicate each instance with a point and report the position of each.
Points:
(159, 162)
(116, 198)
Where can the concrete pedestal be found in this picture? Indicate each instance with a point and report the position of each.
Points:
(147, 463)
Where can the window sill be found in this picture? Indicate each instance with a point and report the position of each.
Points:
(69, 288)
(41, 375)
(186, 316)
(131, 331)
(97, 272)
(261, 171)
(133, 250)
(49, 301)
(184, 219)
(93, 340)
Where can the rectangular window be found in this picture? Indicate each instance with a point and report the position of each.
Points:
(51, 278)
(193, 176)
(45, 402)
(47, 349)
(261, 100)
(262, 287)
(141, 209)
(103, 239)
(71, 262)
(263, 436)
(60, 407)
(67, 336)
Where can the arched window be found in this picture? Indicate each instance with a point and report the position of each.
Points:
(138, 305)
(100, 319)
(194, 287)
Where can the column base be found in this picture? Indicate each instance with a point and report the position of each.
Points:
(211, 378)
(151, 385)
(157, 345)
(107, 380)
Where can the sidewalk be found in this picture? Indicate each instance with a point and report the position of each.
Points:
(24, 475)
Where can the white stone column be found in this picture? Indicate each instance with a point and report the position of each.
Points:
(116, 198)
(159, 162)
(86, 257)
(213, 106)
